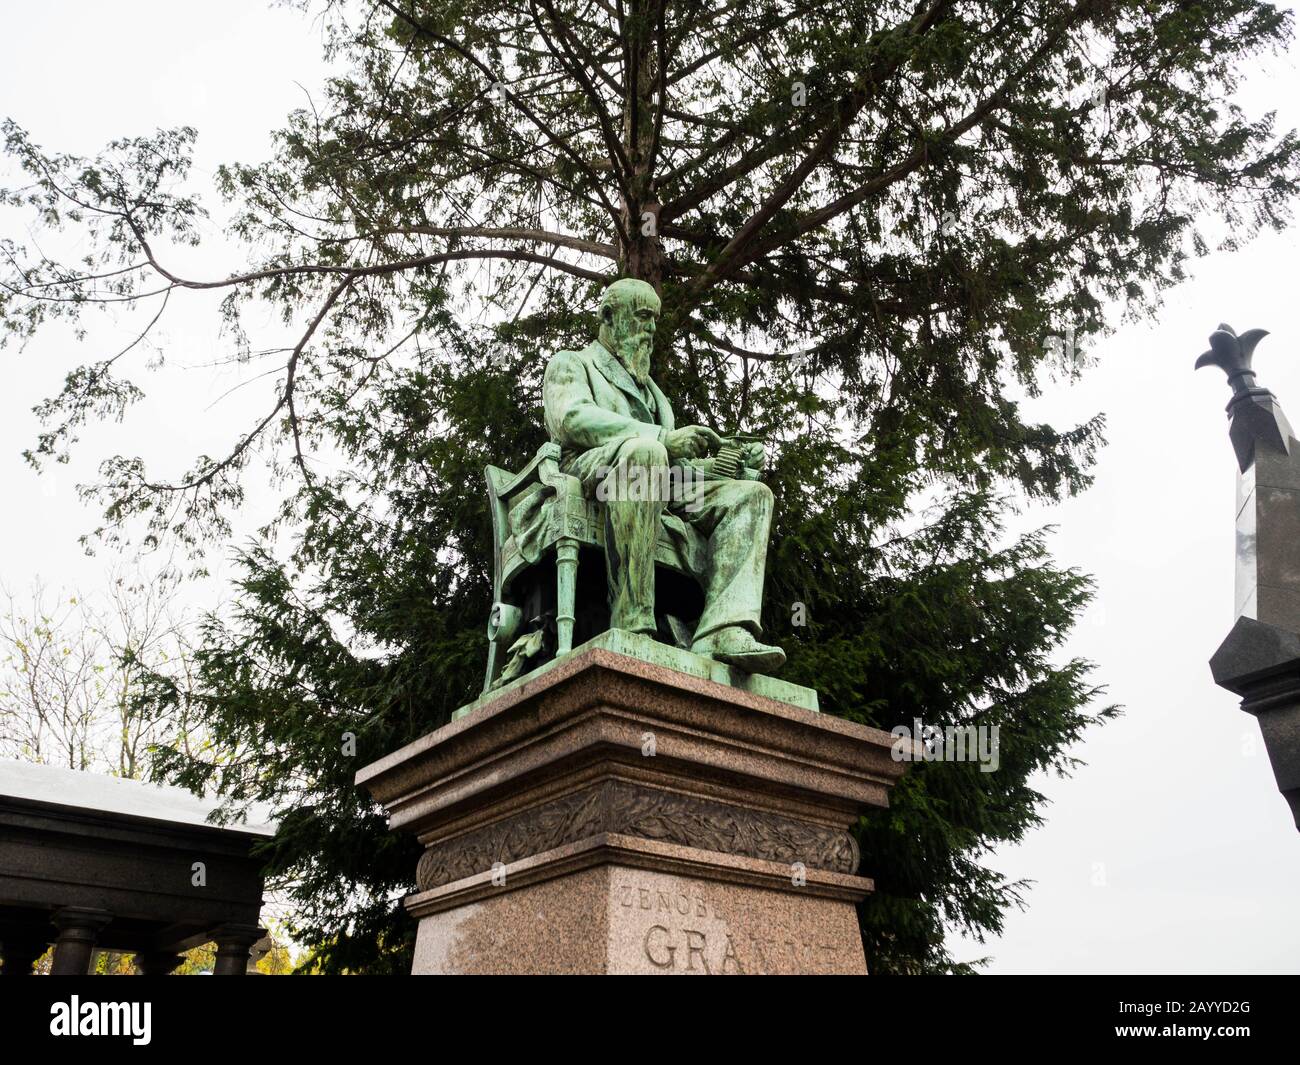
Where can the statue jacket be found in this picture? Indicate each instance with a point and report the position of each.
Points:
(593, 404)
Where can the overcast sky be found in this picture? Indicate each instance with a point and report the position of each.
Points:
(1169, 851)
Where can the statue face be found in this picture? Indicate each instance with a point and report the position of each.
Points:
(629, 314)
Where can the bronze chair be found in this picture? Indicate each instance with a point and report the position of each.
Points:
(572, 525)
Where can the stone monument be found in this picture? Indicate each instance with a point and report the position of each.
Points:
(649, 801)
(91, 862)
(1260, 659)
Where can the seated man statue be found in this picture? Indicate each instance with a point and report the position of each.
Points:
(616, 428)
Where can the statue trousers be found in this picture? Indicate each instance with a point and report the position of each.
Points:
(637, 484)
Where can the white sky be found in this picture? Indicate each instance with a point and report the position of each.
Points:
(1170, 851)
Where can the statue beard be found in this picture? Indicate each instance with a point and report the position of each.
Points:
(634, 354)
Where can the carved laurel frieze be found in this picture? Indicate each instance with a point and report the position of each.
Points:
(648, 813)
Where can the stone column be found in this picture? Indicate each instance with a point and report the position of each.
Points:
(234, 941)
(20, 955)
(621, 811)
(1260, 659)
(78, 933)
(156, 963)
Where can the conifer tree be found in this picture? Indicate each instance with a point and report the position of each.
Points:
(871, 222)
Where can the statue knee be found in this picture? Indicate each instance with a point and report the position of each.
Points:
(646, 453)
(752, 497)
(641, 475)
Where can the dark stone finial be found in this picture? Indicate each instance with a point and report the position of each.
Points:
(1254, 412)
(1232, 354)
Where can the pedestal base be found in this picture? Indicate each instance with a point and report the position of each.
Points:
(616, 816)
(614, 904)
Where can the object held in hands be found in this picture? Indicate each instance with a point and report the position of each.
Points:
(730, 459)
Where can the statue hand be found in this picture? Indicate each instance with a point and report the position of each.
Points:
(756, 456)
(691, 441)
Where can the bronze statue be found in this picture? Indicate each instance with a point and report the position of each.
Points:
(618, 437)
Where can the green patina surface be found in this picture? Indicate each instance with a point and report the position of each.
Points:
(617, 436)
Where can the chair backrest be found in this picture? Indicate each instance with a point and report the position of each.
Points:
(497, 479)
(501, 484)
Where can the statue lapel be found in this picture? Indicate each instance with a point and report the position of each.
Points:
(663, 408)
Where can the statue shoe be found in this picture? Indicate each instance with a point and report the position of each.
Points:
(734, 646)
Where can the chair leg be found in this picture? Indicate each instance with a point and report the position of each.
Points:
(491, 668)
(566, 592)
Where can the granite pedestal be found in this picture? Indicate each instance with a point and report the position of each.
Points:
(615, 815)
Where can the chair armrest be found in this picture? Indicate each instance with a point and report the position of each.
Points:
(548, 451)
(564, 484)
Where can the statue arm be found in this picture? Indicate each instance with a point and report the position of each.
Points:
(574, 419)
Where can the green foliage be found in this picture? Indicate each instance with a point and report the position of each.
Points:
(197, 961)
(869, 223)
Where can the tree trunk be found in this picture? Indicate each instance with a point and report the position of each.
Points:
(643, 253)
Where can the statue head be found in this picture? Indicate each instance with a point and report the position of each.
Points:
(629, 310)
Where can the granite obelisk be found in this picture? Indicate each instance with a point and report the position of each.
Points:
(1260, 659)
